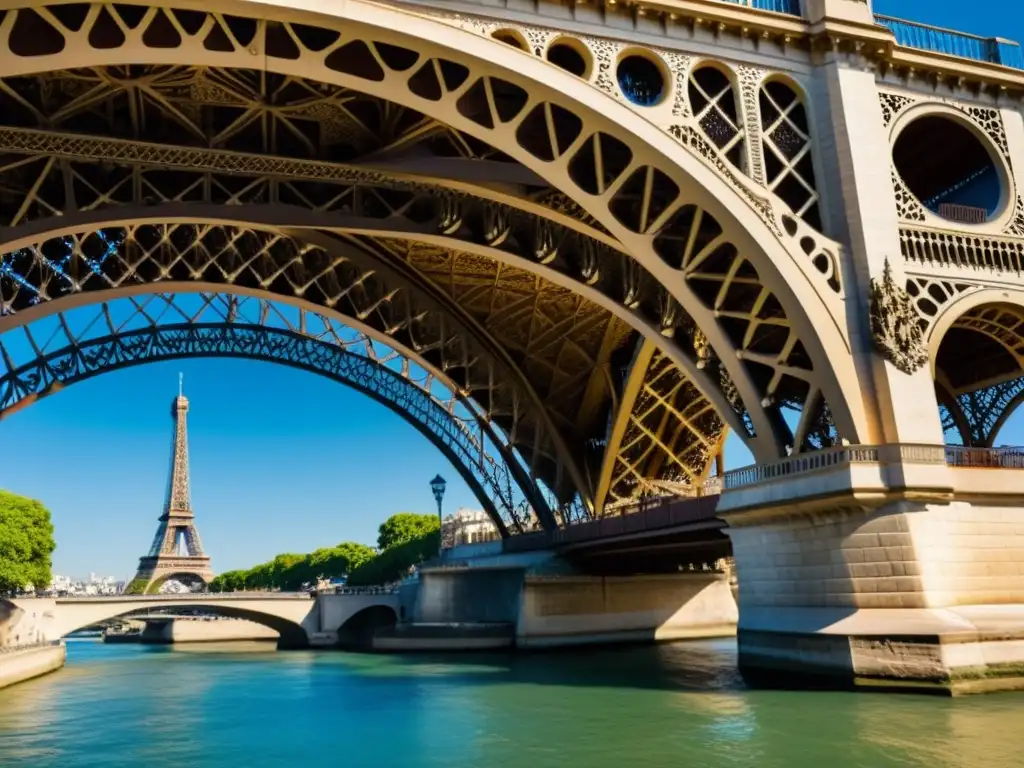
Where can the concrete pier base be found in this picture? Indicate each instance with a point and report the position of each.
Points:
(457, 609)
(18, 666)
(912, 595)
(586, 610)
(971, 649)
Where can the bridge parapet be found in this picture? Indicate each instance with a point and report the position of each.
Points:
(197, 597)
(872, 474)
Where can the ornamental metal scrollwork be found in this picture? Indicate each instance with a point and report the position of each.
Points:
(895, 326)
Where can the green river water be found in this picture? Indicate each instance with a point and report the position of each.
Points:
(669, 705)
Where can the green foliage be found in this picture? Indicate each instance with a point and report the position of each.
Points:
(395, 562)
(289, 572)
(404, 527)
(229, 581)
(26, 543)
(136, 587)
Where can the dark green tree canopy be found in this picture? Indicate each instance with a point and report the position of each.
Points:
(404, 527)
(395, 563)
(289, 572)
(26, 543)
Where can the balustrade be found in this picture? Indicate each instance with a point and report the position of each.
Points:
(993, 50)
(897, 453)
(951, 249)
(790, 7)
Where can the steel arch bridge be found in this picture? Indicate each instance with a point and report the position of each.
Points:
(614, 272)
(71, 347)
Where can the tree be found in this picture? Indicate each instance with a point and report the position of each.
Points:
(393, 564)
(26, 543)
(404, 527)
(229, 581)
(331, 562)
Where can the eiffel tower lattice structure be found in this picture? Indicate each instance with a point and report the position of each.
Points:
(177, 550)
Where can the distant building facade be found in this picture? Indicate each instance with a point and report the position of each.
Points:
(467, 526)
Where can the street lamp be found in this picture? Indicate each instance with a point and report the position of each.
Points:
(437, 485)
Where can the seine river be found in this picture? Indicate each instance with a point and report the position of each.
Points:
(669, 705)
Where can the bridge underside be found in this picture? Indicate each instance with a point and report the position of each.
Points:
(979, 373)
(608, 316)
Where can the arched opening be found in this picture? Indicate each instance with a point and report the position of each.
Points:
(979, 373)
(359, 630)
(512, 38)
(570, 55)
(73, 615)
(786, 142)
(169, 584)
(641, 79)
(714, 105)
(949, 168)
(129, 331)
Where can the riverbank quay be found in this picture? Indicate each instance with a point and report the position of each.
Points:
(20, 663)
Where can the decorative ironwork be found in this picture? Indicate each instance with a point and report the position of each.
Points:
(895, 326)
(976, 417)
(358, 103)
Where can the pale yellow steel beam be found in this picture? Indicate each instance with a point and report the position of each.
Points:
(634, 385)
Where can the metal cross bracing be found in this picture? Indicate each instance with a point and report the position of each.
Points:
(193, 256)
(974, 419)
(979, 373)
(56, 351)
(165, 111)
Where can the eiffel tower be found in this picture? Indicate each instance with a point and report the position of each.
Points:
(177, 550)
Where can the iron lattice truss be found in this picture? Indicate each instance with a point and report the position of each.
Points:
(976, 417)
(665, 433)
(74, 346)
(136, 177)
(980, 373)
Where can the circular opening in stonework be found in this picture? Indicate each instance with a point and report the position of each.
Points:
(569, 57)
(950, 170)
(509, 37)
(641, 80)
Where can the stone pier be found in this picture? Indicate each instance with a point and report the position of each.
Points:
(583, 610)
(462, 608)
(912, 589)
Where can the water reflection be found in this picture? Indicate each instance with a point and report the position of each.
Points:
(670, 705)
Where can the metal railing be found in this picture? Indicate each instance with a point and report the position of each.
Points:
(897, 453)
(385, 590)
(30, 646)
(985, 458)
(993, 50)
(789, 7)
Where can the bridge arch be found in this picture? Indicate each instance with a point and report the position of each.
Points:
(976, 351)
(121, 333)
(450, 75)
(288, 616)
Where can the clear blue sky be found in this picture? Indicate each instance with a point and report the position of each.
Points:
(989, 18)
(282, 461)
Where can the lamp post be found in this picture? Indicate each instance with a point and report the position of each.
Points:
(437, 485)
